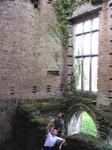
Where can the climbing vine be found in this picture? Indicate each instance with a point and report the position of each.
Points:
(60, 30)
(63, 9)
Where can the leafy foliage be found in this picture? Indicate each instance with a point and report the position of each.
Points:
(88, 125)
(63, 9)
(86, 142)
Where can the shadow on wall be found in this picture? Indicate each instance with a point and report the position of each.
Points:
(26, 132)
(6, 115)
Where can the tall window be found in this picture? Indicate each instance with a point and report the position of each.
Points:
(85, 44)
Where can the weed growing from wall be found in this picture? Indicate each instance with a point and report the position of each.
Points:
(63, 9)
(60, 30)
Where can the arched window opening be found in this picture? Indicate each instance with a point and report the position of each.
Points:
(82, 122)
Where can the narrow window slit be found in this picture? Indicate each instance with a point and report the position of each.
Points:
(53, 73)
(36, 3)
(69, 56)
(34, 89)
(70, 65)
(110, 97)
(49, 1)
(61, 87)
(12, 90)
(110, 91)
(110, 5)
(48, 88)
(69, 74)
(36, 6)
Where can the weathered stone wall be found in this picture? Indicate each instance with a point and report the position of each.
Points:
(29, 56)
(28, 53)
(104, 11)
(101, 108)
(28, 124)
(31, 117)
(20, 129)
(105, 58)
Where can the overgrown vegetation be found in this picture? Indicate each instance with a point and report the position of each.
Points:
(63, 9)
(88, 125)
(86, 142)
(60, 30)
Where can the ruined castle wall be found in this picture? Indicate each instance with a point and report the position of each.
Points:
(105, 55)
(103, 101)
(104, 78)
(28, 53)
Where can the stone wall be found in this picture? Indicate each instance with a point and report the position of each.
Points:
(31, 62)
(31, 117)
(104, 11)
(23, 124)
(102, 108)
(30, 59)
(105, 59)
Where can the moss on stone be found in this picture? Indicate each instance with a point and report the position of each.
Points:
(28, 106)
(41, 120)
(29, 126)
(86, 142)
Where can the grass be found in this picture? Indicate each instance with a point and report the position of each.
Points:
(88, 125)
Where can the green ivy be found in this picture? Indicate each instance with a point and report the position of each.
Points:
(63, 9)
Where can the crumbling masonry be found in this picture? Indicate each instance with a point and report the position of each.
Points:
(31, 61)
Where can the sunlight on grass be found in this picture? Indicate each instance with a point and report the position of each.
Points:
(88, 125)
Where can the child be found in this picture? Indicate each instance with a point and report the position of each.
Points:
(52, 138)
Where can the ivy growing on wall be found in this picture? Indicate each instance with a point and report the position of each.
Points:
(63, 9)
(60, 30)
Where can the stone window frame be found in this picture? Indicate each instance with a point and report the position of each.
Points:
(79, 20)
(76, 121)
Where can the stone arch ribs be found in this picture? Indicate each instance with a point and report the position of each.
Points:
(77, 103)
(75, 124)
(77, 108)
(99, 117)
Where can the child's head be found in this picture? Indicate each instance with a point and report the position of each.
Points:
(54, 132)
(60, 115)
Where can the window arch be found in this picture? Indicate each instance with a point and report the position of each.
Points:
(82, 122)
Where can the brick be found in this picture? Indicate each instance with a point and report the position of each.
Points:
(27, 50)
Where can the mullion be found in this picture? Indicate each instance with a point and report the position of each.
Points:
(82, 60)
(80, 56)
(92, 31)
(90, 69)
(90, 56)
